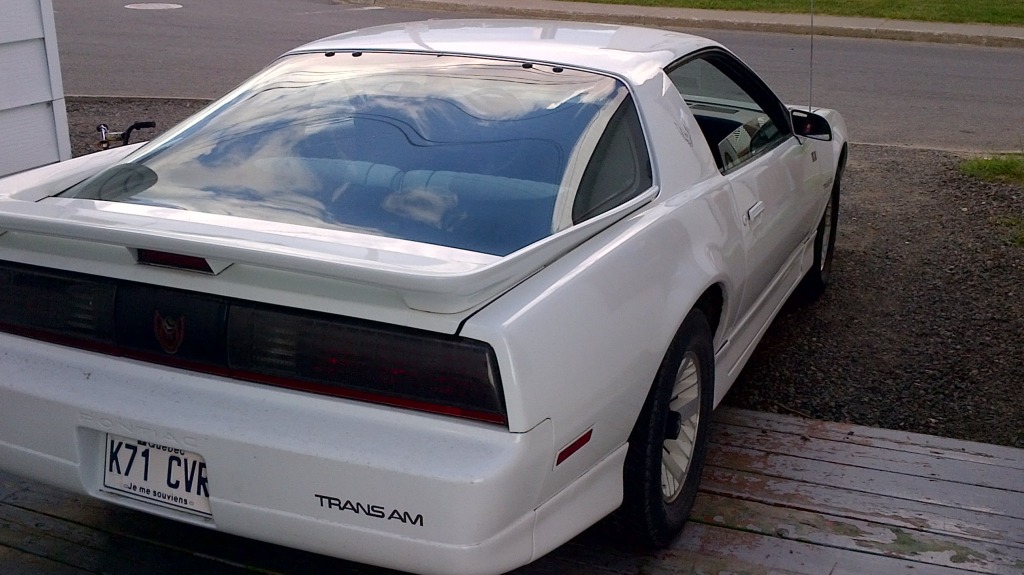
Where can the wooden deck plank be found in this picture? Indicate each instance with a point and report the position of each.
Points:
(109, 531)
(872, 457)
(859, 536)
(774, 554)
(593, 558)
(15, 562)
(97, 550)
(858, 479)
(980, 453)
(11, 484)
(964, 523)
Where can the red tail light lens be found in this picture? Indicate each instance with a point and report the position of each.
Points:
(56, 305)
(169, 260)
(363, 360)
(313, 352)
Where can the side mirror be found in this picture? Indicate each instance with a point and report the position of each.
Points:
(811, 125)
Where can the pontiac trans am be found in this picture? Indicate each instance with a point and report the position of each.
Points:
(434, 296)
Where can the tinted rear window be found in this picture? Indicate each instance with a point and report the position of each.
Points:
(462, 152)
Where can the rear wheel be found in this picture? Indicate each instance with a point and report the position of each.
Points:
(669, 441)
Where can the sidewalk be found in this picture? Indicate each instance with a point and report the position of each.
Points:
(979, 34)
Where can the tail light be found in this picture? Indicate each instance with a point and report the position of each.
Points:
(56, 306)
(364, 360)
(297, 349)
(170, 260)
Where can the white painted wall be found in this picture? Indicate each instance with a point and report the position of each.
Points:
(33, 119)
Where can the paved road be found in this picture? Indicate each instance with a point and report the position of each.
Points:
(199, 51)
(902, 93)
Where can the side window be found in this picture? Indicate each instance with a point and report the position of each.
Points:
(620, 168)
(737, 114)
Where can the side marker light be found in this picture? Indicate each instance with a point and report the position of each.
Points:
(573, 447)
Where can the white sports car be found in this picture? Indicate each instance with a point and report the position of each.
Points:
(433, 296)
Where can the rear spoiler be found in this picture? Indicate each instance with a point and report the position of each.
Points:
(427, 277)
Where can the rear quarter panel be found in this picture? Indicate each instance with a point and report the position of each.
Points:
(579, 343)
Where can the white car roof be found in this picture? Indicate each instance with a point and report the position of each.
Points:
(627, 51)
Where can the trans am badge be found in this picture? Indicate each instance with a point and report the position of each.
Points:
(169, 331)
(370, 510)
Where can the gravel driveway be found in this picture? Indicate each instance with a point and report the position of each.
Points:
(922, 328)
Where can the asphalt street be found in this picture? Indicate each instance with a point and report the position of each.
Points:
(946, 96)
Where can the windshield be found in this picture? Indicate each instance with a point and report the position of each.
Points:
(463, 152)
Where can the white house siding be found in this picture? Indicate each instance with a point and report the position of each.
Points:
(33, 119)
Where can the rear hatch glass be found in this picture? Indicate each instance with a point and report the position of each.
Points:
(463, 152)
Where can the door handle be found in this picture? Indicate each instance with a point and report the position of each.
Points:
(755, 211)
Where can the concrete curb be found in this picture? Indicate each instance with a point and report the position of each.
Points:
(676, 18)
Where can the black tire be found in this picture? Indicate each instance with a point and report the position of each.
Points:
(655, 506)
(818, 277)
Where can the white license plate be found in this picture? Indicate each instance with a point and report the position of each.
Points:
(156, 473)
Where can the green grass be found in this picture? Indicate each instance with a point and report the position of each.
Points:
(1008, 168)
(1004, 12)
(1015, 229)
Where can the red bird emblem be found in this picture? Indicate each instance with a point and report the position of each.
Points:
(169, 331)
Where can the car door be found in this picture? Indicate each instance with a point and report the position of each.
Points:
(771, 172)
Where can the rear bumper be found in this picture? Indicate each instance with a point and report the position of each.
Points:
(455, 496)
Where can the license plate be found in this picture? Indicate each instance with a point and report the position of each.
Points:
(156, 473)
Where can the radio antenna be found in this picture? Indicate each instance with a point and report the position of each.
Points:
(810, 73)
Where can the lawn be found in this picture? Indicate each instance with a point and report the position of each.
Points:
(1004, 12)
(1007, 168)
